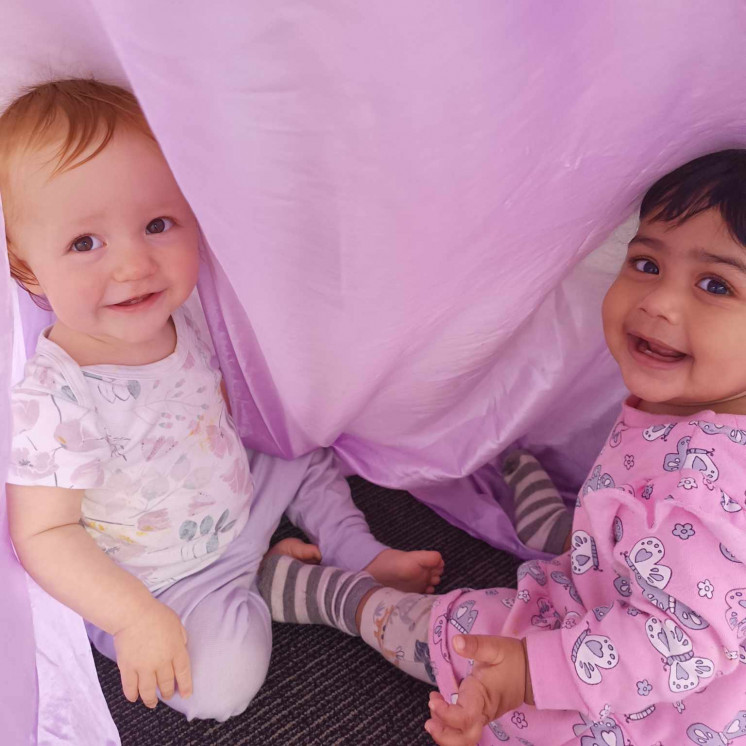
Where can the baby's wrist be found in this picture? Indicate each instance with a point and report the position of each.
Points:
(138, 612)
(528, 693)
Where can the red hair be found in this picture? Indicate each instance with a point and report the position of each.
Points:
(73, 114)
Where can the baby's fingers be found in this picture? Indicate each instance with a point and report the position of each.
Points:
(146, 685)
(458, 717)
(165, 678)
(129, 683)
(183, 673)
(444, 735)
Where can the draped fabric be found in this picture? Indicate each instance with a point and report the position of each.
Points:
(401, 204)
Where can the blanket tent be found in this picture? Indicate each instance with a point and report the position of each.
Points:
(410, 212)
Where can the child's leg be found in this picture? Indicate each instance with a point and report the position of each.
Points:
(229, 643)
(229, 633)
(323, 508)
(397, 624)
(541, 519)
(390, 621)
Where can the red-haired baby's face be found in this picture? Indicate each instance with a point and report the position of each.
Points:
(112, 243)
(675, 317)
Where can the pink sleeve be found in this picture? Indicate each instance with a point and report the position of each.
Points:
(672, 619)
(57, 442)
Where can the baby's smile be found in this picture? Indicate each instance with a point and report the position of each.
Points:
(654, 353)
(138, 303)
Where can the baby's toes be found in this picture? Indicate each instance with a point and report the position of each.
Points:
(431, 559)
(306, 553)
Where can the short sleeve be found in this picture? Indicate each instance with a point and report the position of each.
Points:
(57, 442)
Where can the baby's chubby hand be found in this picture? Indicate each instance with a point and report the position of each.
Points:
(497, 684)
(151, 651)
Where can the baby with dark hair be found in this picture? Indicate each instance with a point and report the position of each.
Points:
(636, 633)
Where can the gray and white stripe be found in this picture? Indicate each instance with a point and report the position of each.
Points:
(300, 593)
(541, 519)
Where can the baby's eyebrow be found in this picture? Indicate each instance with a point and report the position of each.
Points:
(698, 254)
(653, 243)
(707, 256)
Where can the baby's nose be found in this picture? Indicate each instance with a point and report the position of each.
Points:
(133, 262)
(664, 301)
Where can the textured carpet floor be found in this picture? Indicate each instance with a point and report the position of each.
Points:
(325, 688)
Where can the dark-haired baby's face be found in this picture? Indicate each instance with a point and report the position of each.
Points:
(675, 317)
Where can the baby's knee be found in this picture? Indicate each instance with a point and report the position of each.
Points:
(228, 687)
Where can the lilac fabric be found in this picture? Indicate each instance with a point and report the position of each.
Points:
(397, 197)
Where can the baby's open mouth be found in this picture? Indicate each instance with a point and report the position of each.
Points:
(133, 301)
(657, 350)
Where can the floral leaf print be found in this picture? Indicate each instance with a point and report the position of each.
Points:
(705, 588)
(84, 473)
(33, 464)
(68, 393)
(216, 440)
(223, 518)
(25, 415)
(683, 530)
(113, 391)
(187, 530)
(212, 544)
(199, 478)
(155, 487)
(155, 520)
(519, 720)
(198, 503)
(72, 435)
(181, 468)
(121, 481)
(237, 477)
(206, 525)
(156, 447)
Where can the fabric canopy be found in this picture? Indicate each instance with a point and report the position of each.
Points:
(398, 199)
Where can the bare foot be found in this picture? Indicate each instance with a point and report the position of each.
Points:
(414, 572)
(297, 549)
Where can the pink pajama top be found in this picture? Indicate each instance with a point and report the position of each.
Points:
(637, 635)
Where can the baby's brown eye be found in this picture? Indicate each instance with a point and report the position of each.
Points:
(159, 225)
(85, 243)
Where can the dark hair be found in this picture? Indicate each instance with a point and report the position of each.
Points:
(716, 180)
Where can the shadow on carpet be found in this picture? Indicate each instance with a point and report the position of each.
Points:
(323, 687)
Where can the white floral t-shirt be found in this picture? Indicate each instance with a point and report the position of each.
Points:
(166, 477)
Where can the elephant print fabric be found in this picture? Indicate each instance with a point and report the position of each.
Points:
(637, 634)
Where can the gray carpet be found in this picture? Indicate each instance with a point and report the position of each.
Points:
(325, 688)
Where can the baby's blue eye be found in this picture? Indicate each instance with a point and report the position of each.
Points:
(159, 225)
(86, 243)
(715, 287)
(646, 266)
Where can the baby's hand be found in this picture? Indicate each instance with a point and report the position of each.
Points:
(152, 651)
(496, 685)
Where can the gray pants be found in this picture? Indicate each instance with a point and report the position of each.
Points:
(227, 622)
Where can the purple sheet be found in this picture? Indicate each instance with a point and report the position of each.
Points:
(397, 197)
